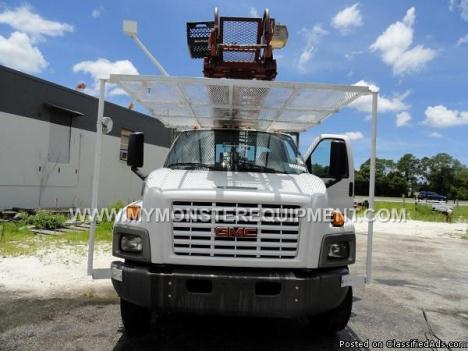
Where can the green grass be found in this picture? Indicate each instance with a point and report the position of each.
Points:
(16, 239)
(423, 212)
(103, 234)
(47, 220)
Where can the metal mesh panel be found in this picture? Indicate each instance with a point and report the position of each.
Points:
(185, 103)
(233, 150)
(186, 152)
(240, 31)
(198, 34)
(250, 97)
(239, 56)
(237, 32)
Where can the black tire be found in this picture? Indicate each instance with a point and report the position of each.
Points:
(136, 319)
(335, 320)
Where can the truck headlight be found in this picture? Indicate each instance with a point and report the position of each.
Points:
(131, 243)
(338, 250)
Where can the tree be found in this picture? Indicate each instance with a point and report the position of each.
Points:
(388, 181)
(459, 188)
(408, 165)
(440, 173)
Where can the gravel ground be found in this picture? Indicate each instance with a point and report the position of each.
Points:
(47, 303)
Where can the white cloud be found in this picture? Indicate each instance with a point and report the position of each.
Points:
(394, 46)
(462, 40)
(403, 119)
(441, 117)
(347, 19)
(97, 12)
(24, 20)
(352, 54)
(460, 6)
(305, 57)
(435, 135)
(253, 12)
(385, 104)
(354, 135)
(18, 52)
(312, 38)
(102, 68)
(413, 60)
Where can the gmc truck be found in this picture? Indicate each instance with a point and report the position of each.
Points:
(237, 221)
(253, 229)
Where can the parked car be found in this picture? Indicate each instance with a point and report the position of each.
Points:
(430, 195)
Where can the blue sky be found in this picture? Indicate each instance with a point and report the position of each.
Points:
(416, 52)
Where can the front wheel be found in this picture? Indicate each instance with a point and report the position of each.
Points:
(336, 319)
(136, 319)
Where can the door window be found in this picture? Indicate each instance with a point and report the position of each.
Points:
(320, 159)
(329, 159)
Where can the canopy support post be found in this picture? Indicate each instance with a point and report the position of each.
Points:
(97, 169)
(371, 213)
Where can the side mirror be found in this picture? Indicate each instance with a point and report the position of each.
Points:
(338, 160)
(136, 142)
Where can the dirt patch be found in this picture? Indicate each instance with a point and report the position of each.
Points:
(56, 271)
(47, 302)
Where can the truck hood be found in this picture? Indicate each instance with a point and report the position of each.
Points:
(166, 179)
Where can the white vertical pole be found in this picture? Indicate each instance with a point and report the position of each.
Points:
(97, 168)
(370, 217)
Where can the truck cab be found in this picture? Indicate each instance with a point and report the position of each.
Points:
(238, 222)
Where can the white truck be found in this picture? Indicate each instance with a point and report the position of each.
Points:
(240, 239)
(237, 222)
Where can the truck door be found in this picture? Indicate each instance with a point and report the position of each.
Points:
(330, 158)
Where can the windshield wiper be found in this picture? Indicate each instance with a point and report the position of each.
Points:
(255, 167)
(192, 164)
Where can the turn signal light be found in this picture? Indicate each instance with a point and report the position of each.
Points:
(337, 219)
(133, 212)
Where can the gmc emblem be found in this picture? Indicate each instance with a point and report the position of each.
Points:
(235, 232)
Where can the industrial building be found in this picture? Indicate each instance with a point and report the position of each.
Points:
(47, 140)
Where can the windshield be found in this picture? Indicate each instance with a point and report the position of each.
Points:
(235, 150)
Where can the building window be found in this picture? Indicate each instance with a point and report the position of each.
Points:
(124, 134)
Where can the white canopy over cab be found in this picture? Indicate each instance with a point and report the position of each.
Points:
(187, 103)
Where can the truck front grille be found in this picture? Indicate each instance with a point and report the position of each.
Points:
(194, 225)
